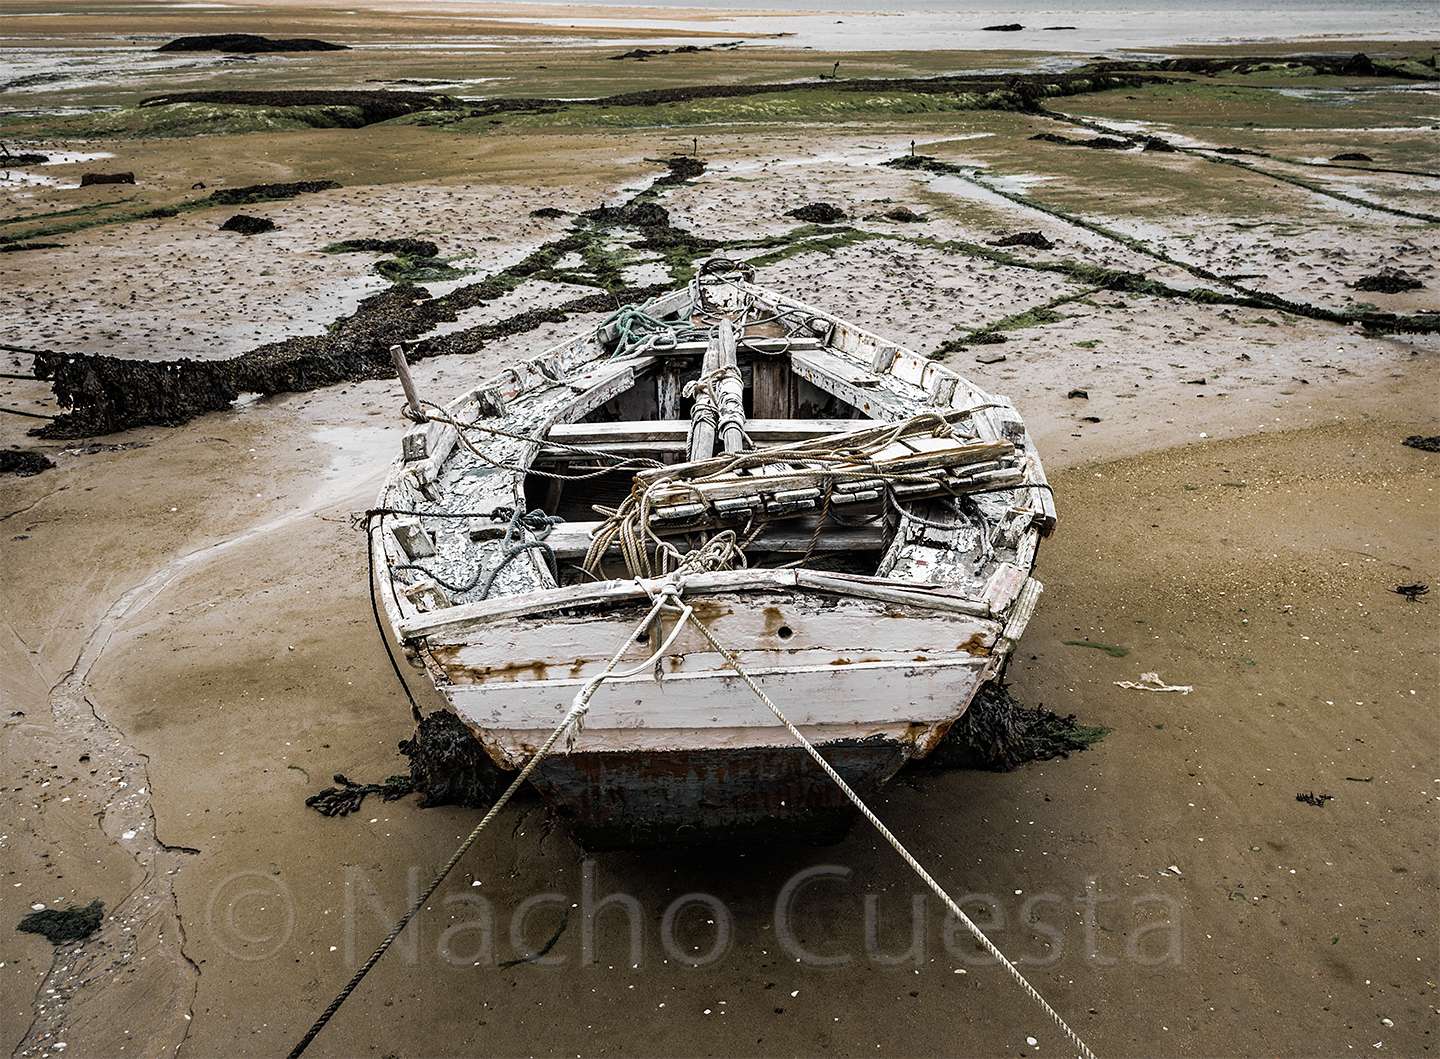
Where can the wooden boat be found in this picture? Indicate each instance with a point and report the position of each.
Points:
(861, 524)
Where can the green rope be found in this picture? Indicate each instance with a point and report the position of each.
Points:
(637, 330)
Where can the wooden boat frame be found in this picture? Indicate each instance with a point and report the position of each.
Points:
(873, 666)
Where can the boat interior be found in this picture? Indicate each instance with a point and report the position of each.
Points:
(728, 411)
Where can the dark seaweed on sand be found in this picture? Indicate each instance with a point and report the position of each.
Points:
(248, 44)
(107, 394)
(23, 463)
(1388, 281)
(270, 192)
(403, 247)
(449, 767)
(70, 924)
(998, 734)
(374, 105)
(818, 213)
(247, 225)
(1357, 65)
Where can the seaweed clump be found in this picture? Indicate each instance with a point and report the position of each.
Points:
(1388, 281)
(403, 247)
(269, 192)
(1357, 65)
(818, 213)
(1035, 239)
(998, 734)
(248, 44)
(23, 463)
(247, 225)
(106, 394)
(631, 215)
(348, 797)
(374, 106)
(448, 766)
(68, 924)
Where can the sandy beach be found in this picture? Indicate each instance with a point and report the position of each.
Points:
(189, 648)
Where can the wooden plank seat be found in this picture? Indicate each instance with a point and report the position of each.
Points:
(853, 468)
(571, 540)
(652, 437)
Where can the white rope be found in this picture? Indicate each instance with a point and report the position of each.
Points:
(572, 723)
(939, 891)
(667, 598)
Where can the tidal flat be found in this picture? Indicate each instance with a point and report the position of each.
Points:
(189, 648)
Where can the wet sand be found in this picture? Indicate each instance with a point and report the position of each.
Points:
(189, 648)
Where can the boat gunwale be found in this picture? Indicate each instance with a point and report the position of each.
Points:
(584, 351)
(453, 621)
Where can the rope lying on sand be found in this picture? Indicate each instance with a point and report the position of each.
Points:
(899, 847)
(669, 599)
(571, 724)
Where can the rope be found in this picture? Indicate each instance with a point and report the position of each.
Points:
(909, 859)
(535, 521)
(636, 331)
(629, 524)
(460, 429)
(370, 523)
(574, 719)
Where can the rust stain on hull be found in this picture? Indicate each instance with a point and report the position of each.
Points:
(975, 646)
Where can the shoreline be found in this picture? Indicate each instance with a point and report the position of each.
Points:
(823, 29)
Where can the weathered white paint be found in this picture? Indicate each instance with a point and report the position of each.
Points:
(1004, 583)
(521, 649)
(862, 693)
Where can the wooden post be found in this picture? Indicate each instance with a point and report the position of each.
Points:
(402, 369)
(731, 391)
(703, 415)
(556, 488)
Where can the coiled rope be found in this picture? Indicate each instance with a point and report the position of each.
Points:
(629, 524)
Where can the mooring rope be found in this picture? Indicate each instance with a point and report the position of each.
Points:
(909, 859)
(572, 723)
(630, 524)
(370, 523)
(621, 462)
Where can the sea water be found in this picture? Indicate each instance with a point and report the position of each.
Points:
(904, 25)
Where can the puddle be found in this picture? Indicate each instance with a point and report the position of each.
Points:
(360, 452)
(21, 177)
